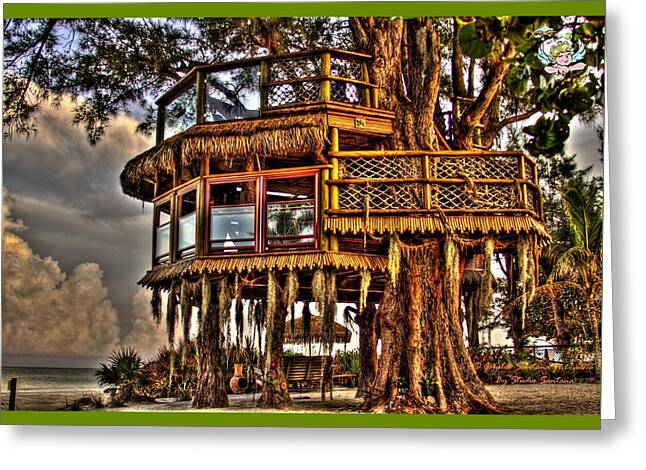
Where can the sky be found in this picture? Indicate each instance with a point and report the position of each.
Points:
(74, 246)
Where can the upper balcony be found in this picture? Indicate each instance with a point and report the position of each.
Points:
(267, 86)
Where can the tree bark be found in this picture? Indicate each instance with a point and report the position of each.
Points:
(368, 339)
(211, 390)
(275, 393)
(420, 318)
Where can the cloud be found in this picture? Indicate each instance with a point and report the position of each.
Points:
(68, 193)
(46, 312)
(145, 336)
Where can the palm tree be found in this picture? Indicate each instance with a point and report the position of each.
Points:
(120, 374)
(573, 260)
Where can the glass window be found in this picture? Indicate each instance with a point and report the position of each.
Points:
(290, 212)
(181, 113)
(162, 231)
(186, 223)
(233, 94)
(232, 216)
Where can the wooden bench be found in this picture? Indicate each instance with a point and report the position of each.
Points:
(306, 371)
(301, 372)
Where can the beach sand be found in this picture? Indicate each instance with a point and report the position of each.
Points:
(573, 399)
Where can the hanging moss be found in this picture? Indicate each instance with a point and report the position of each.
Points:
(318, 290)
(329, 311)
(486, 281)
(366, 278)
(206, 301)
(185, 311)
(224, 303)
(239, 312)
(156, 305)
(525, 249)
(272, 308)
(452, 270)
(171, 315)
(307, 323)
(291, 294)
(394, 258)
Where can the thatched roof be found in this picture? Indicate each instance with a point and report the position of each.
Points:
(459, 224)
(341, 333)
(255, 263)
(281, 137)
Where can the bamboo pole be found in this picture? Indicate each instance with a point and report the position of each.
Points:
(352, 212)
(200, 105)
(325, 205)
(334, 174)
(363, 181)
(417, 153)
(172, 243)
(326, 71)
(264, 80)
(521, 175)
(161, 122)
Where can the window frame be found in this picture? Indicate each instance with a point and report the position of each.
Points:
(181, 254)
(210, 182)
(157, 260)
(286, 247)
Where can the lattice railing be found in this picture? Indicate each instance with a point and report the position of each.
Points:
(451, 182)
(321, 77)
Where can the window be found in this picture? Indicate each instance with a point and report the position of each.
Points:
(232, 216)
(233, 94)
(162, 221)
(186, 220)
(290, 212)
(180, 114)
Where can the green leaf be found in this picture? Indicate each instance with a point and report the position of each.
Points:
(517, 80)
(471, 43)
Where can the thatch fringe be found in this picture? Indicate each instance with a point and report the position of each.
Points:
(254, 263)
(268, 137)
(467, 224)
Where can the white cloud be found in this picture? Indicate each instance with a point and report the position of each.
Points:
(145, 336)
(46, 312)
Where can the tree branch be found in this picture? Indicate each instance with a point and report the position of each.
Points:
(518, 117)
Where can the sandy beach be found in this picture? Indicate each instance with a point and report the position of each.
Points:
(573, 399)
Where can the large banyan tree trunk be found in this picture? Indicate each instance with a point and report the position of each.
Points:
(211, 391)
(424, 364)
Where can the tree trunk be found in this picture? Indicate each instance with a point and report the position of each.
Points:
(422, 311)
(368, 338)
(211, 391)
(275, 393)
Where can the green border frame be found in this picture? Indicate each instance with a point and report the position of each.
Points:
(301, 420)
(334, 8)
(321, 420)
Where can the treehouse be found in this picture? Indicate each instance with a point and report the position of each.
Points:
(280, 164)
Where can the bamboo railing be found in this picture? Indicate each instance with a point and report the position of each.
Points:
(279, 82)
(400, 182)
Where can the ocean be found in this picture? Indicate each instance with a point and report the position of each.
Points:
(48, 388)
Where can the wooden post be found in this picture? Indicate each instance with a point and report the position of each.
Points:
(13, 385)
(326, 72)
(325, 205)
(334, 190)
(366, 91)
(264, 78)
(200, 216)
(161, 122)
(375, 97)
(426, 169)
(521, 175)
(538, 192)
(172, 242)
(200, 105)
